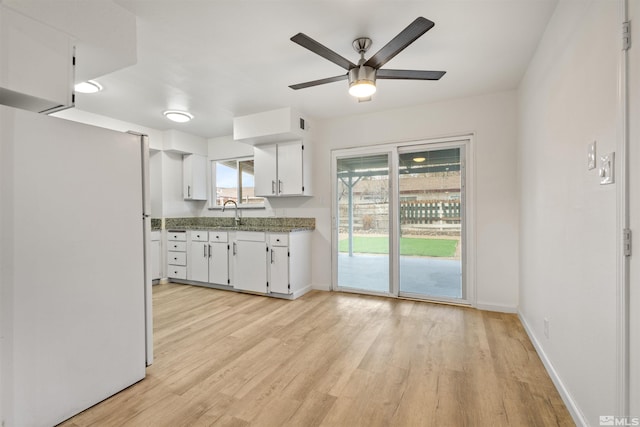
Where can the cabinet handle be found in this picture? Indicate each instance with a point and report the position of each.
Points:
(209, 251)
(234, 248)
(205, 250)
(273, 187)
(271, 256)
(279, 186)
(188, 191)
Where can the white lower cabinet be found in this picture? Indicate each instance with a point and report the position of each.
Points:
(218, 258)
(250, 262)
(279, 263)
(198, 256)
(176, 255)
(208, 257)
(290, 263)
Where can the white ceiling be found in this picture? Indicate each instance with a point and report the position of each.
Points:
(225, 58)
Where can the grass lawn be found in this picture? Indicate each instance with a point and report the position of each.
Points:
(408, 246)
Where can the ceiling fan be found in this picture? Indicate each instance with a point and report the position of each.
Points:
(362, 77)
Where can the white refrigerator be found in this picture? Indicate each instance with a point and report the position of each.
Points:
(75, 298)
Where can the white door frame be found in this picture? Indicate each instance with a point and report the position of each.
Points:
(351, 153)
(464, 141)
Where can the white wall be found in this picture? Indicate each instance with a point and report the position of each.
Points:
(493, 120)
(568, 99)
(634, 191)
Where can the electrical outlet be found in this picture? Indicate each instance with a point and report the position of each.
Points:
(591, 156)
(546, 328)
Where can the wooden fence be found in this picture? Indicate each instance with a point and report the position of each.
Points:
(375, 217)
(430, 211)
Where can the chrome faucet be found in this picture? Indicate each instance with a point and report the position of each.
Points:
(237, 218)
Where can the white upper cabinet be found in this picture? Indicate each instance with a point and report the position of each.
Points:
(194, 182)
(36, 64)
(291, 178)
(265, 161)
(284, 124)
(282, 169)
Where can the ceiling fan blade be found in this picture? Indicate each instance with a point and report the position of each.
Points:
(319, 49)
(409, 74)
(398, 43)
(319, 82)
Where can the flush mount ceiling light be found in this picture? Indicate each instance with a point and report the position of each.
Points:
(419, 159)
(89, 86)
(178, 116)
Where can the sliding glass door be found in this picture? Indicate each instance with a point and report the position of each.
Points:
(362, 220)
(430, 211)
(399, 220)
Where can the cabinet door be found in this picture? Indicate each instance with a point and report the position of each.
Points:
(279, 269)
(290, 180)
(251, 266)
(264, 161)
(219, 263)
(198, 262)
(194, 168)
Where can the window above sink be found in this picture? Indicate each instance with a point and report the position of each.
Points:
(234, 179)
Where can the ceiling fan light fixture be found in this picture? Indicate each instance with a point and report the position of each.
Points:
(362, 81)
(178, 116)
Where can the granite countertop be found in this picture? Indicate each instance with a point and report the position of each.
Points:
(241, 227)
(270, 224)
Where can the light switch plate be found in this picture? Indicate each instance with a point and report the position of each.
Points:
(591, 156)
(607, 164)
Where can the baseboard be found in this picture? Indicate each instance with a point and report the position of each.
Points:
(321, 287)
(300, 292)
(572, 407)
(498, 308)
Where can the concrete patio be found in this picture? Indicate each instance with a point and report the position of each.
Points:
(431, 277)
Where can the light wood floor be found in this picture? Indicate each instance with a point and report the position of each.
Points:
(331, 359)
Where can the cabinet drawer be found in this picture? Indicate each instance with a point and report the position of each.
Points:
(250, 236)
(155, 236)
(218, 236)
(199, 236)
(176, 258)
(179, 236)
(279, 239)
(177, 246)
(177, 272)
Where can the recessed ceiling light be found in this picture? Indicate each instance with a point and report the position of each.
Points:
(419, 159)
(89, 86)
(178, 116)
